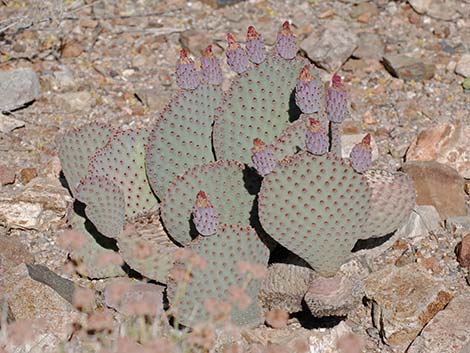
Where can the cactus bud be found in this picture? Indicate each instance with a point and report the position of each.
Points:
(262, 157)
(309, 91)
(337, 102)
(205, 218)
(210, 67)
(237, 57)
(255, 46)
(317, 138)
(361, 155)
(286, 46)
(186, 74)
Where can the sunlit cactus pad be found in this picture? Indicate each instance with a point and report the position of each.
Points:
(181, 137)
(222, 255)
(258, 105)
(393, 198)
(316, 207)
(78, 146)
(122, 161)
(222, 181)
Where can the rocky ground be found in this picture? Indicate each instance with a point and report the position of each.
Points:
(407, 68)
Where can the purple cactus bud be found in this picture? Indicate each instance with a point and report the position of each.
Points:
(262, 157)
(255, 46)
(337, 102)
(210, 67)
(237, 57)
(186, 74)
(286, 46)
(309, 91)
(317, 138)
(205, 218)
(361, 155)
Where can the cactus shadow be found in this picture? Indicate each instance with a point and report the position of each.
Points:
(310, 322)
(294, 111)
(63, 181)
(370, 243)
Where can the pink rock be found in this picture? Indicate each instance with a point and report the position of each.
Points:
(445, 143)
(7, 175)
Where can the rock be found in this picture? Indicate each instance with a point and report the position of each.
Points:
(423, 220)
(349, 141)
(61, 79)
(438, 185)
(285, 286)
(458, 225)
(370, 46)
(462, 251)
(333, 296)
(335, 45)
(340, 339)
(7, 175)
(440, 9)
(41, 343)
(18, 87)
(444, 143)
(364, 8)
(28, 174)
(463, 66)
(408, 67)
(74, 101)
(31, 300)
(8, 124)
(13, 253)
(448, 331)
(72, 49)
(195, 41)
(404, 299)
(220, 3)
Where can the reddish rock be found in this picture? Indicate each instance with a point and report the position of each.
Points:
(444, 143)
(7, 175)
(72, 49)
(463, 252)
(28, 174)
(438, 185)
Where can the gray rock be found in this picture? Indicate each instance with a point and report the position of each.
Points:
(370, 46)
(448, 331)
(18, 87)
(463, 66)
(408, 67)
(440, 9)
(74, 101)
(458, 225)
(423, 220)
(335, 45)
(8, 123)
(403, 300)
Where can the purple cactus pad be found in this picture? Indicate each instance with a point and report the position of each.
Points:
(237, 58)
(309, 95)
(317, 138)
(263, 157)
(210, 67)
(337, 102)
(186, 74)
(361, 155)
(205, 218)
(286, 46)
(255, 46)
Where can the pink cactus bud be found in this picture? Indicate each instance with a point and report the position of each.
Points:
(309, 93)
(361, 155)
(286, 46)
(337, 101)
(263, 157)
(336, 82)
(237, 58)
(255, 46)
(186, 74)
(316, 138)
(210, 67)
(205, 218)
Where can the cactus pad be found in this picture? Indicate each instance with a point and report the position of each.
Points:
(223, 181)
(286, 46)
(316, 138)
(210, 67)
(181, 137)
(205, 217)
(222, 252)
(256, 106)
(263, 157)
(361, 155)
(393, 198)
(78, 146)
(316, 207)
(237, 58)
(309, 92)
(255, 46)
(122, 161)
(105, 204)
(186, 74)
(337, 101)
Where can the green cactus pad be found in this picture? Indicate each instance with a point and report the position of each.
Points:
(89, 255)
(122, 161)
(316, 207)
(223, 252)
(222, 181)
(146, 248)
(258, 104)
(291, 140)
(78, 147)
(181, 137)
(105, 204)
(393, 198)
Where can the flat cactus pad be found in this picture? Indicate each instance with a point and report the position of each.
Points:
(315, 206)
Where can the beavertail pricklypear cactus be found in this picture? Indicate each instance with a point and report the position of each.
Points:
(228, 176)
